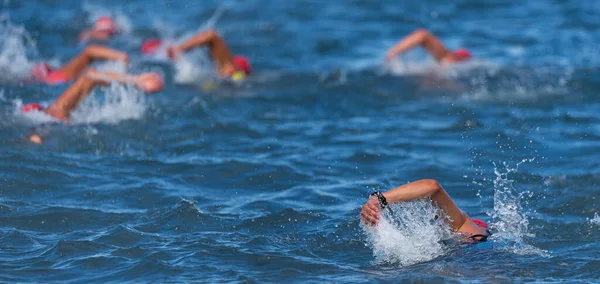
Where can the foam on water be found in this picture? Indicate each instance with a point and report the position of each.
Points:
(120, 102)
(111, 104)
(112, 66)
(412, 235)
(193, 67)
(17, 51)
(510, 221)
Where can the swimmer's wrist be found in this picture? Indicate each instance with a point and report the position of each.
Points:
(382, 200)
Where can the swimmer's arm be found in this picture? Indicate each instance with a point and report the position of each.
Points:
(432, 189)
(419, 37)
(196, 41)
(201, 39)
(412, 191)
(370, 212)
(148, 82)
(97, 52)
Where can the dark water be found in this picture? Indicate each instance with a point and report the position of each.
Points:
(263, 181)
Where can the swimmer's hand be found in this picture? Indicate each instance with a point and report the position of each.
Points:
(370, 211)
(34, 138)
(173, 52)
(390, 55)
(149, 82)
(123, 57)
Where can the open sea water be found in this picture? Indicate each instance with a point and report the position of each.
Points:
(263, 181)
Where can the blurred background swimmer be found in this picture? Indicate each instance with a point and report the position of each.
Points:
(432, 44)
(104, 28)
(235, 67)
(62, 107)
(471, 230)
(44, 73)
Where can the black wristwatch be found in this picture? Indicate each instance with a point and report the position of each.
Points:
(382, 201)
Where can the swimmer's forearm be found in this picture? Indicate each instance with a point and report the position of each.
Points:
(412, 191)
(407, 43)
(201, 39)
(190, 44)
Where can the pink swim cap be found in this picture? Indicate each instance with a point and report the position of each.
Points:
(106, 24)
(151, 46)
(32, 106)
(462, 54)
(480, 223)
(242, 63)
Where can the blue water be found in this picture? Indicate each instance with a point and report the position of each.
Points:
(263, 181)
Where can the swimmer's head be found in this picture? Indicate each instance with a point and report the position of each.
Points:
(41, 71)
(242, 63)
(106, 24)
(480, 223)
(151, 46)
(462, 54)
(32, 107)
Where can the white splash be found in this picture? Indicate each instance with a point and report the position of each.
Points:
(510, 223)
(17, 51)
(32, 117)
(412, 235)
(112, 66)
(192, 68)
(595, 220)
(120, 102)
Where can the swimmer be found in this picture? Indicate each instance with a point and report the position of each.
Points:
(472, 230)
(432, 44)
(43, 72)
(228, 66)
(62, 107)
(104, 28)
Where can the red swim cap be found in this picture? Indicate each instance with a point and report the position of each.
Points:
(151, 46)
(41, 71)
(32, 106)
(480, 223)
(462, 54)
(242, 63)
(105, 24)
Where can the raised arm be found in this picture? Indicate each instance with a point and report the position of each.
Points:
(412, 191)
(419, 37)
(219, 51)
(90, 54)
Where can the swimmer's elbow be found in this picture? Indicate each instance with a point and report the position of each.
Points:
(432, 184)
(212, 33)
(422, 33)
